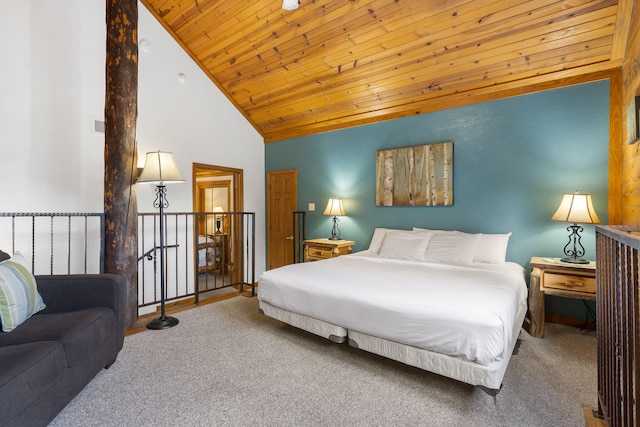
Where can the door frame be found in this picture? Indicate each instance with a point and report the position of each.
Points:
(201, 169)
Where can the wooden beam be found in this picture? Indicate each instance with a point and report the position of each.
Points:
(615, 148)
(488, 92)
(623, 23)
(120, 157)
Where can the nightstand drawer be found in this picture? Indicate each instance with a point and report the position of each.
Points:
(320, 252)
(317, 249)
(570, 282)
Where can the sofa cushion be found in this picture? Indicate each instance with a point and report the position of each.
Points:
(80, 332)
(19, 297)
(28, 370)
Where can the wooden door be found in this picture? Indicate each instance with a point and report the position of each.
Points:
(282, 201)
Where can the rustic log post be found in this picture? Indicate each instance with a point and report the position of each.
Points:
(120, 157)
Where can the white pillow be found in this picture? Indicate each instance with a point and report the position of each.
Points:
(19, 297)
(452, 248)
(492, 248)
(376, 240)
(404, 245)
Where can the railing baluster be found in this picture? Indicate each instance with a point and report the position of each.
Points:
(51, 246)
(86, 231)
(33, 243)
(69, 244)
(13, 234)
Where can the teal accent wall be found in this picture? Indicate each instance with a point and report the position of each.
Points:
(513, 159)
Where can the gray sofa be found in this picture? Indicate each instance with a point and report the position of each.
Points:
(52, 356)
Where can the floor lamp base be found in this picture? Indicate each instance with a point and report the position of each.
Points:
(162, 322)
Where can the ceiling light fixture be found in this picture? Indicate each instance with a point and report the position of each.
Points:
(290, 4)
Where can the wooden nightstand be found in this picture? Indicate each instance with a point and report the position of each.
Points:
(550, 276)
(317, 249)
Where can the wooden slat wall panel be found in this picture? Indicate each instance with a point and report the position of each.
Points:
(337, 63)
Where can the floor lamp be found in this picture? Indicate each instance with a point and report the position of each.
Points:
(160, 169)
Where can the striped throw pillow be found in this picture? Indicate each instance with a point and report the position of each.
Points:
(19, 297)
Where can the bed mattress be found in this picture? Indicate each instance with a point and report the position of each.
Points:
(467, 312)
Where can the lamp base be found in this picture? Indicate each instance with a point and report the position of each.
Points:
(162, 322)
(573, 260)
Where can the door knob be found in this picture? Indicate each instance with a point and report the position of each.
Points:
(290, 238)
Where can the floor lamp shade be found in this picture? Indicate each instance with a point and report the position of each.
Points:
(160, 169)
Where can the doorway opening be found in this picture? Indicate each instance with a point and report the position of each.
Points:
(218, 197)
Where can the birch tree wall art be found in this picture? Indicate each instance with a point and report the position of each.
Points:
(415, 176)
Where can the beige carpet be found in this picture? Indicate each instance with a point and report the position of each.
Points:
(227, 365)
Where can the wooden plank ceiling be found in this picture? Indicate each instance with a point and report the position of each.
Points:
(332, 64)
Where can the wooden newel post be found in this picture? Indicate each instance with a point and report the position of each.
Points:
(120, 157)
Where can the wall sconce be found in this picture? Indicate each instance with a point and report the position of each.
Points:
(576, 208)
(335, 209)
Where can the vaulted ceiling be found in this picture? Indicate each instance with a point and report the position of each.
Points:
(332, 64)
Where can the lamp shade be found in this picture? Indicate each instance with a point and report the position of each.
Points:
(290, 4)
(334, 208)
(160, 169)
(576, 208)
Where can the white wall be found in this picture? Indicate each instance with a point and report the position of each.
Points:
(52, 87)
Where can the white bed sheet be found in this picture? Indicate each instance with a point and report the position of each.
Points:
(462, 311)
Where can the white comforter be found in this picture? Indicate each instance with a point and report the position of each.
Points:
(461, 311)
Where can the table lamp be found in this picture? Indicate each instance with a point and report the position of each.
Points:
(335, 209)
(576, 208)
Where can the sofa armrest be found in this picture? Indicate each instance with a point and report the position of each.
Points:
(63, 293)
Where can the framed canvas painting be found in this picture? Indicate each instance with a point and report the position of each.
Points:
(415, 176)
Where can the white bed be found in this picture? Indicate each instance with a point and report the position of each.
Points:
(455, 318)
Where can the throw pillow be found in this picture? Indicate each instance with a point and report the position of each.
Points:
(4, 256)
(19, 297)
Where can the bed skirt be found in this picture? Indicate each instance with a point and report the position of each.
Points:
(335, 333)
(486, 376)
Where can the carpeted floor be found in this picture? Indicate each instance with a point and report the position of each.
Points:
(227, 365)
